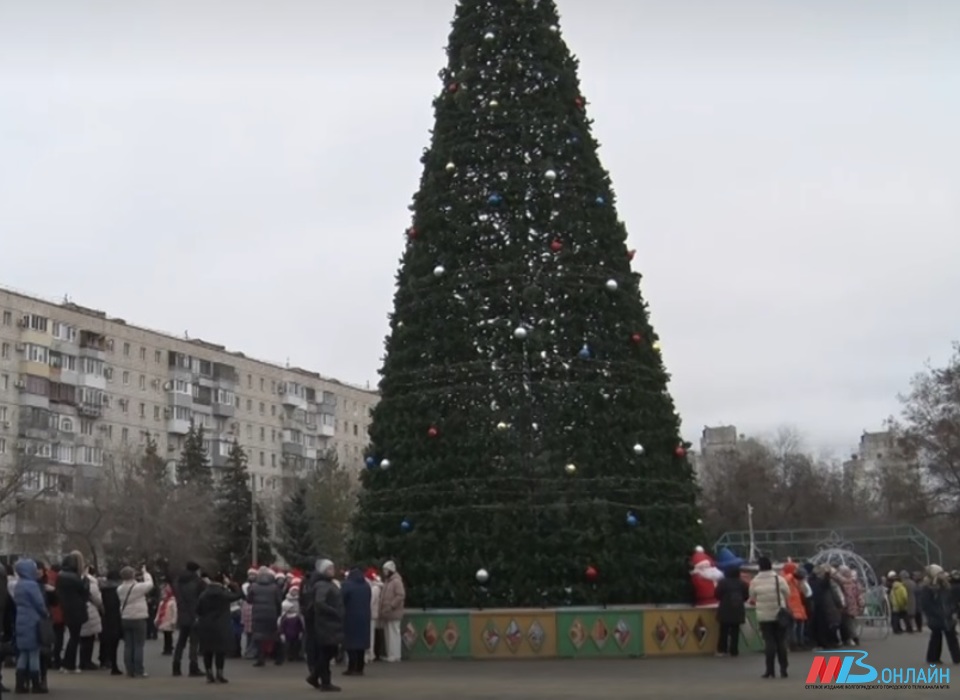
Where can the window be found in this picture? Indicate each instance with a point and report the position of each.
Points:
(68, 362)
(143, 383)
(157, 356)
(63, 453)
(89, 365)
(86, 427)
(37, 385)
(124, 434)
(249, 381)
(249, 405)
(263, 434)
(66, 424)
(143, 354)
(263, 408)
(273, 410)
(273, 387)
(126, 349)
(273, 435)
(263, 458)
(273, 460)
(249, 431)
(7, 318)
(3, 413)
(182, 387)
(5, 351)
(143, 410)
(126, 378)
(355, 430)
(156, 413)
(38, 323)
(3, 446)
(90, 455)
(182, 413)
(31, 481)
(38, 353)
(5, 382)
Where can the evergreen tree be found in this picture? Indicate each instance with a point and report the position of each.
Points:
(296, 528)
(153, 468)
(524, 412)
(193, 468)
(234, 509)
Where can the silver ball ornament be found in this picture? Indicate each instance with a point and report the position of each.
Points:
(502, 426)
(570, 468)
(451, 167)
(384, 463)
(638, 449)
(550, 175)
(612, 285)
(520, 333)
(554, 28)
(494, 103)
(482, 576)
(438, 271)
(489, 36)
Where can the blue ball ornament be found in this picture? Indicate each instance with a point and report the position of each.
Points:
(584, 353)
(631, 520)
(406, 525)
(494, 199)
(600, 201)
(370, 462)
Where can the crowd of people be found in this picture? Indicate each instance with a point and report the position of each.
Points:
(808, 607)
(62, 617)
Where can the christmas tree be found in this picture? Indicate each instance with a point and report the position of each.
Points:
(234, 508)
(295, 541)
(525, 439)
(193, 467)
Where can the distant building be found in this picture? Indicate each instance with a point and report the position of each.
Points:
(876, 451)
(715, 442)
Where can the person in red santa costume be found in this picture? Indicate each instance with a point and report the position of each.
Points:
(704, 577)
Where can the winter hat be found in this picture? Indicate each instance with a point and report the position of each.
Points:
(934, 570)
(892, 575)
(390, 567)
(324, 565)
(280, 576)
(251, 571)
(293, 593)
(699, 558)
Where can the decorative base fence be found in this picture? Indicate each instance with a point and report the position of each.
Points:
(588, 633)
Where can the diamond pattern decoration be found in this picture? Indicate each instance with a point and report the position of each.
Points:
(536, 636)
(700, 632)
(600, 633)
(490, 636)
(681, 632)
(513, 636)
(430, 635)
(661, 633)
(577, 634)
(409, 635)
(622, 633)
(451, 635)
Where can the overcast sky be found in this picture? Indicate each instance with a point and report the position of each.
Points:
(789, 172)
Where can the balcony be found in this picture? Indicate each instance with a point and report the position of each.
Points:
(202, 395)
(227, 410)
(225, 375)
(94, 381)
(178, 426)
(89, 410)
(292, 449)
(93, 345)
(327, 431)
(293, 400)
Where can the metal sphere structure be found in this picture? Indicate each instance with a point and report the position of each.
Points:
(875, 620)
(837, 557)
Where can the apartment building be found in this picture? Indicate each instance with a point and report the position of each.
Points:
(876, 451)
(78, 388)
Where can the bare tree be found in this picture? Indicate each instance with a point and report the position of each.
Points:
(20, 483)
(928, 434)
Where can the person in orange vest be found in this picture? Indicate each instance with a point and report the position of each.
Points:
(799, 591)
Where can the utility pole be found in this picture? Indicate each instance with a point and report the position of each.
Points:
(253, 521)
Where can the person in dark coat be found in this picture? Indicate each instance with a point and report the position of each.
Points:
(215, 626)
(7, 612)
(73, 591)
(186, 590)
(939, 608)
(265, 597)
(328, 614)
(732, 594)
(356, 595)
(112, 631)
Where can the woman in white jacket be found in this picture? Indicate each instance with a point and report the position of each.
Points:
(770, 593)
(376, 588)
(93, 626)
(134, 612)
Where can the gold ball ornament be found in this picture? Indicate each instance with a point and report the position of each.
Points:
(502, 426)
(494, 103)
(570, 468)
(451, 167)
(656, 345)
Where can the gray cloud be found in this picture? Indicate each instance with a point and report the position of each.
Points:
(789, 173)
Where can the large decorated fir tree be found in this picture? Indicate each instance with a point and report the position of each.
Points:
(525, 439)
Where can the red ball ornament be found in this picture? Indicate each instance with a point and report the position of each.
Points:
(432, 431)
(591, 573)
(680, 452)
(579, 102)
(631, 254)
(453, 87)
(411, 233)
(636, 338)
(556, 246)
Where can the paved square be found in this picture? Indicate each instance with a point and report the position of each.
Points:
(730, 679)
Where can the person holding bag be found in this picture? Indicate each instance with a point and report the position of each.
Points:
(134, 611)
(770, 592)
